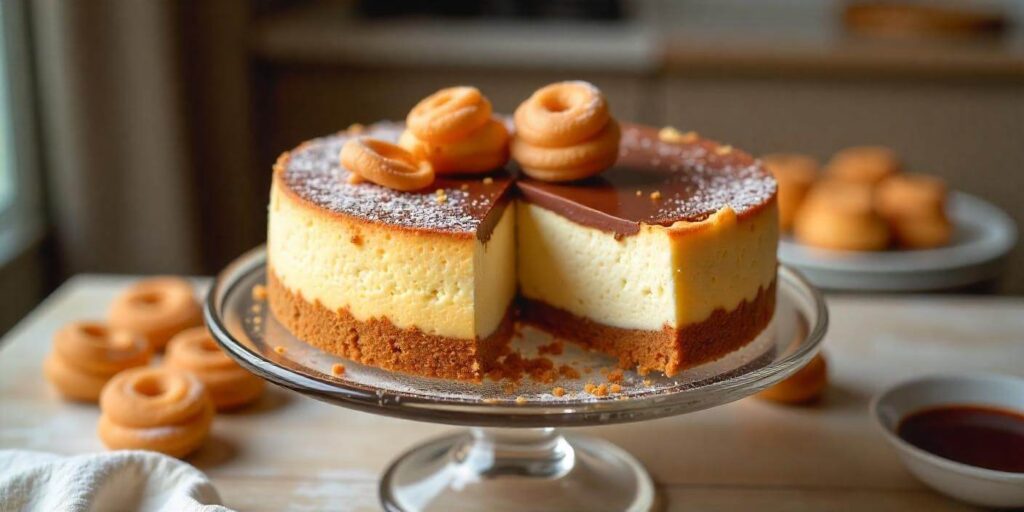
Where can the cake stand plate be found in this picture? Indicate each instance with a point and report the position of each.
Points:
(513, 452)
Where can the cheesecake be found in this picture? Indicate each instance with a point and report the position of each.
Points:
(417, 282)
(664, 261)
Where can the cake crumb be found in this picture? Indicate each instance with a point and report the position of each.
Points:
(639, 192)
(615, 375)
(520, 400)
(671, 135)
(555, 348)
(509, 387)
(488, 180)
(255, 308)
(656, 195)
(440, 196)
(356, 128)
(464, 186)
(356, 239)
(723, 150)
(558, 391)
(259, 292)
(648, 382)
(615, 388)
(337, 369)
(280, 350)
(490, 400)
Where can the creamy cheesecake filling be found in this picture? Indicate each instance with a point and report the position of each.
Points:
(588, 272)
(659, 277)
(723, 261)
(442, 284)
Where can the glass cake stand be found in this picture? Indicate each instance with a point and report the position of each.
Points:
(513, 451)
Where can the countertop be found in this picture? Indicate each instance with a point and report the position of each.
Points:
(289, 452)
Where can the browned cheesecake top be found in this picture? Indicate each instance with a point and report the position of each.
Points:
(463, 206)
(654, 182)
(658, 183)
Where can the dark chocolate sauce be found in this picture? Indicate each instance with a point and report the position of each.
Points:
(981, 436)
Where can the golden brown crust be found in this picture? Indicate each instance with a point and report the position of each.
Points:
(669, 350)
(380, 343)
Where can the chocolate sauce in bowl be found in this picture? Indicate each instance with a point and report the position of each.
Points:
(980, 436)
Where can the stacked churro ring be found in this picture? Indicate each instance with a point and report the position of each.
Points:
(914, 207)
(564, 132)
(455, 131)
(385, 164)
(806, 385)
(229, 385)
(863, 164)
(87, 354)
(157, 309)
(795, 175)
(839, 215)
(157, 409)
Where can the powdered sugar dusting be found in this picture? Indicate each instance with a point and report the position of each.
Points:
(313, 171)
(699, 180)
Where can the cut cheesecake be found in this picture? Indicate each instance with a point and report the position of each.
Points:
(665, 261)
(417, 282)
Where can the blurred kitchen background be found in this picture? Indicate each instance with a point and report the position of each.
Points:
(137, 136)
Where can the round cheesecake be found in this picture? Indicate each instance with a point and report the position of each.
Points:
(665, 261)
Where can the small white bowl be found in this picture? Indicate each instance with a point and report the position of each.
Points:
(967, 483)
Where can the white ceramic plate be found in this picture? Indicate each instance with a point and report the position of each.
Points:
(979, 486)
(984, 236)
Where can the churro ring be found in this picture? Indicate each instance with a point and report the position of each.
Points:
(88, 354)
(562, 114)
(386, 164)
(806, 385)
(795, 174)
(838, 215)
(449, 114)
(483, 150)
(864, 164)
(157, 309)
(915, 196)
(922, 233)
(159, 409)
(572, 162)
(229, 385)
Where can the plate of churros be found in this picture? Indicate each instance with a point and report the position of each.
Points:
(862, 223)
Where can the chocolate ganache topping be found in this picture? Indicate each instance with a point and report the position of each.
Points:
(467, 205)
(658, 183)
(653, 182)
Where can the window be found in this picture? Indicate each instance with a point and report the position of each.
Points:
(20, 219)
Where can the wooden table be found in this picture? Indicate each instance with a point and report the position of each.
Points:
(294, 453)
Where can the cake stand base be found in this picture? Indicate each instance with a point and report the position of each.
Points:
(494, 469)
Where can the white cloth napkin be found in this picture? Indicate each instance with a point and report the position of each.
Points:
(113, 481)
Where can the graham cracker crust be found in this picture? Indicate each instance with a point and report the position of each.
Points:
(669, 350)
(378, 342)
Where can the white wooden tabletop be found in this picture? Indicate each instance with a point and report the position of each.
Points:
(289, 452)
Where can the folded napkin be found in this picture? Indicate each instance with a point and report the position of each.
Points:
(120, 480)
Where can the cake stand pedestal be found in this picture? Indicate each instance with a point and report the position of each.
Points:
(512, 454)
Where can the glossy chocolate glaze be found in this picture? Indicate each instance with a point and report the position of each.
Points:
(693, 180)
(471, 207)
